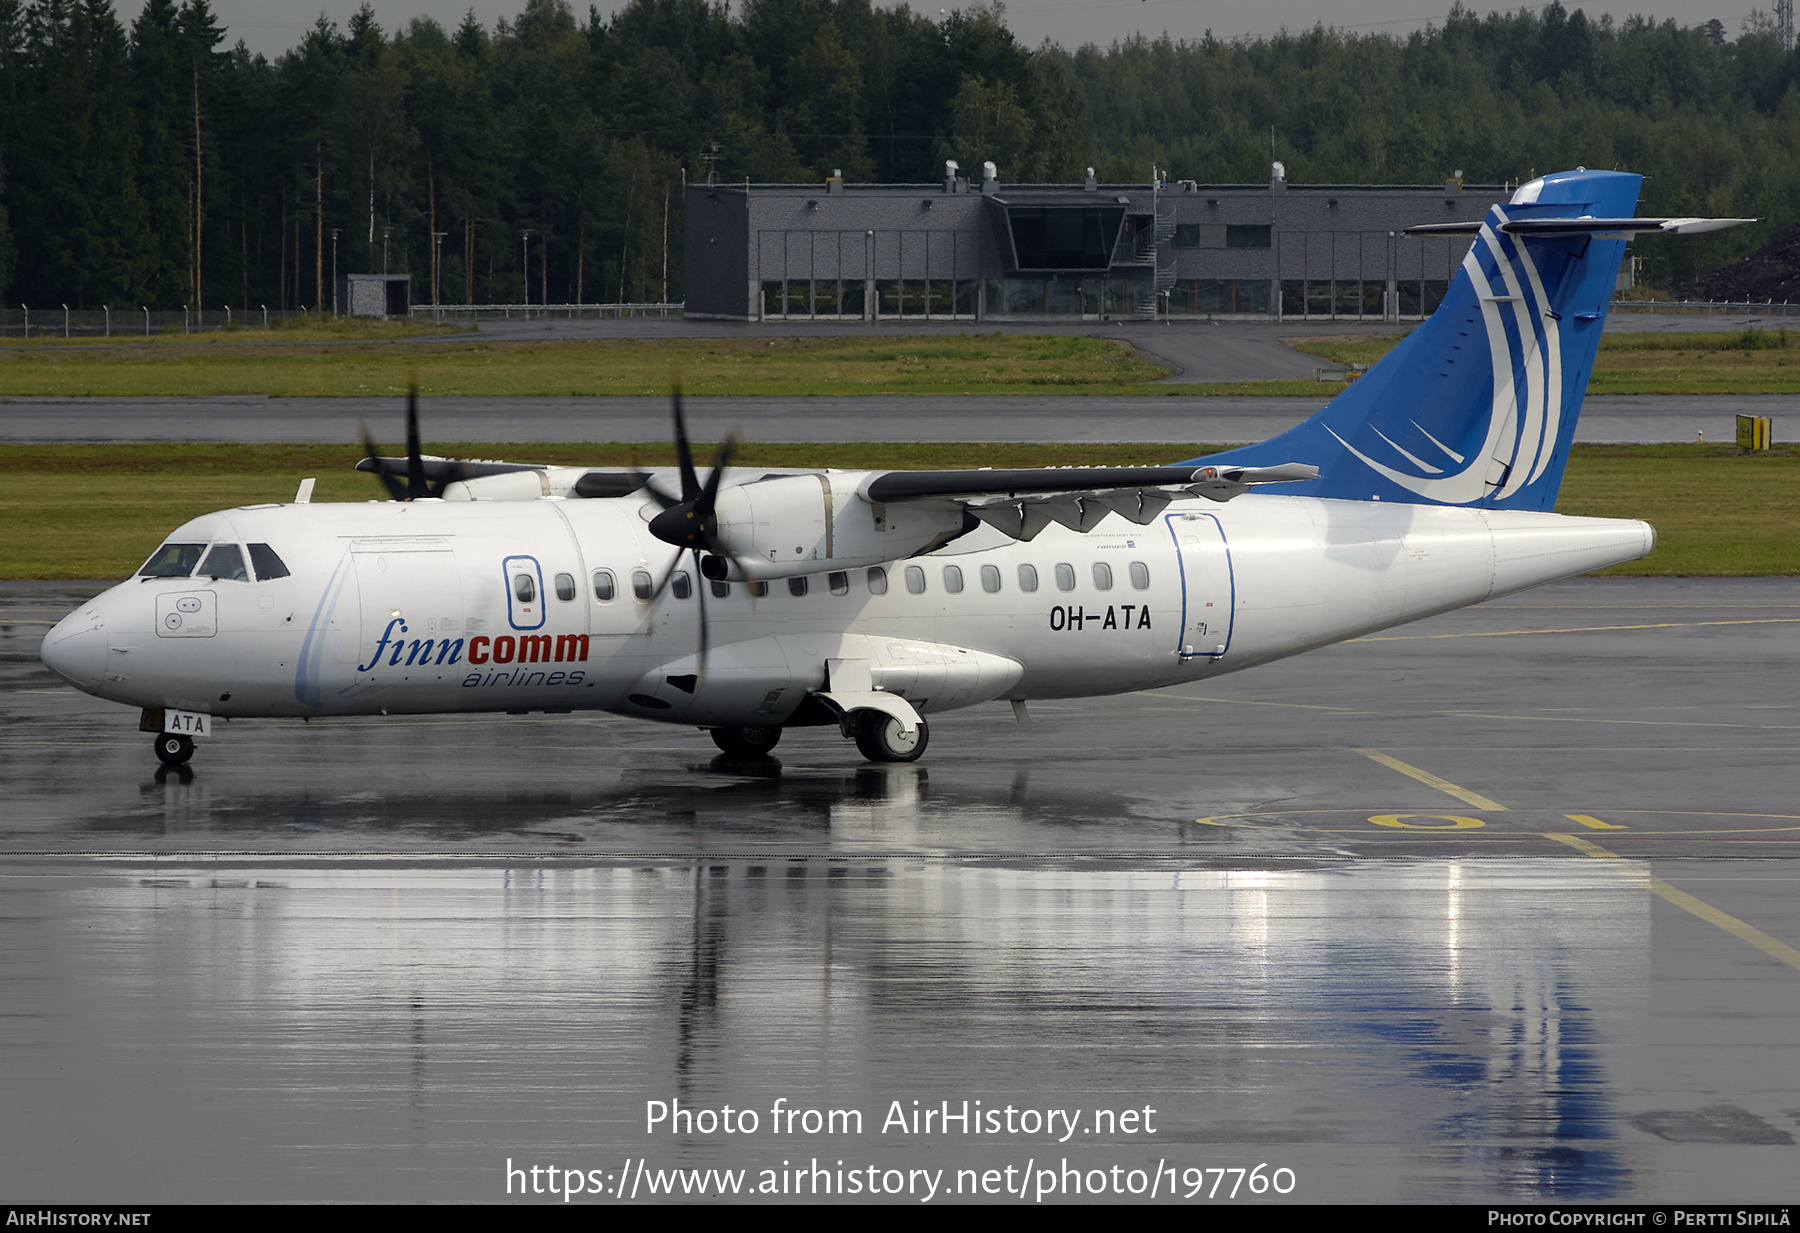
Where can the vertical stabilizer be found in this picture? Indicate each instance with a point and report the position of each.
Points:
(1477, 406)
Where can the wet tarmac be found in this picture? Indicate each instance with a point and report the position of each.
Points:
(1495, 907)
(1175, 420)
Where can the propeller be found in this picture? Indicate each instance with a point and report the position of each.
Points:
(416, 484)
(689, 522)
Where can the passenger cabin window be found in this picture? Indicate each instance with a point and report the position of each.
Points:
(877, 580)
(565, 587)
(640, 583)
(683, 586)
(1102, 576)
(760, 589)
(266, 563)
(840, 582)
(721, 590)
(990, 578)
(524, 588)
(915, 579)
(1140, 576)
(953, 579)
(1027, 577)
(225, 561)
(797, 586)
(605, 586)
(1065, 577)
(172, 561)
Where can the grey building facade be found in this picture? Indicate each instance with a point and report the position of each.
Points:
(978, 250)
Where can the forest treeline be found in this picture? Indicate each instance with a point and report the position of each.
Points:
(158, 165)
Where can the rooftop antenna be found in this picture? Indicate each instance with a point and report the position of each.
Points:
(711, 158)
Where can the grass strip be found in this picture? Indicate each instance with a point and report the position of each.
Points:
(96, 511)
(952, 364)
(1751, 361)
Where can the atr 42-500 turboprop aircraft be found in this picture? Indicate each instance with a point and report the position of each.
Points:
(870, 600)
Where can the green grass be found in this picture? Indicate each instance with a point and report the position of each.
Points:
(960, 364)
(1749, 361)
(96, 511)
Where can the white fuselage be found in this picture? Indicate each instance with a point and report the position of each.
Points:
(418, 607)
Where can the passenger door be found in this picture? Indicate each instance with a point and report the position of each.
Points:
(1208, 591)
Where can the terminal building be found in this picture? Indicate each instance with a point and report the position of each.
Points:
(978, 250)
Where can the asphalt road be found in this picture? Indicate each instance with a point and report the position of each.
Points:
(1498, 907)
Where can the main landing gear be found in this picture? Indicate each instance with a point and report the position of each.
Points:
(174, 748)
(879, 736)
(748, 742)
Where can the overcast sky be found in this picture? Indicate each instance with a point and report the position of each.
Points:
(274, 26)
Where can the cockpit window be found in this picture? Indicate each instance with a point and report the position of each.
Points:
(172, 561)
(225, 561)
(267, 564)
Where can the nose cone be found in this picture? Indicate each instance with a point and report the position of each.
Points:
(76, 649)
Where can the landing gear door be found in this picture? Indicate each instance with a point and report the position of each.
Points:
(1208, 590)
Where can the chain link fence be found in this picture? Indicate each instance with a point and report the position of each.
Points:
(478, 312)
(58, 322)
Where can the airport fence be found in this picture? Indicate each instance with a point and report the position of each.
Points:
(1708, 308)
(105, 322)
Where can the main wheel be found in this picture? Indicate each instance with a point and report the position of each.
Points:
(174, 748)
(879, 737)
(746, 741)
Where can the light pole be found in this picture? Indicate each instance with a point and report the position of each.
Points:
(385, 233)
(146, 309)
(525, 243)
(437, 272)
(334, 300)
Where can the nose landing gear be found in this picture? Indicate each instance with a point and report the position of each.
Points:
(174, 748)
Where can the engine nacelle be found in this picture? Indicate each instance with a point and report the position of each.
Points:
(806, 524)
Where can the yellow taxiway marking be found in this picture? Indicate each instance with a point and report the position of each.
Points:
(1594, 824)
(1772, 947)
(1435, 781)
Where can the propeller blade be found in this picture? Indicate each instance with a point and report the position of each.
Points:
(684, 453)
(396, 489)
(700, 585)
(657, 592)
(416, 486)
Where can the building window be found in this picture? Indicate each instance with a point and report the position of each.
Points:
(1187, 235)
(1247, 235)
(772, 305)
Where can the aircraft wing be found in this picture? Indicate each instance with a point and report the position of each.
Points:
(1022, 503)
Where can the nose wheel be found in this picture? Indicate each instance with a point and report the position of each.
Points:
(174, 748)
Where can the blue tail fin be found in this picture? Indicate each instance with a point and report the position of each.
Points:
(1478, 405)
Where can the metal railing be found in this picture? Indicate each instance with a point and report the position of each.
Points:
(476, 312)
(1721, 308)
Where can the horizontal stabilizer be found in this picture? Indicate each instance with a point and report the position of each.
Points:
(1552, 227)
